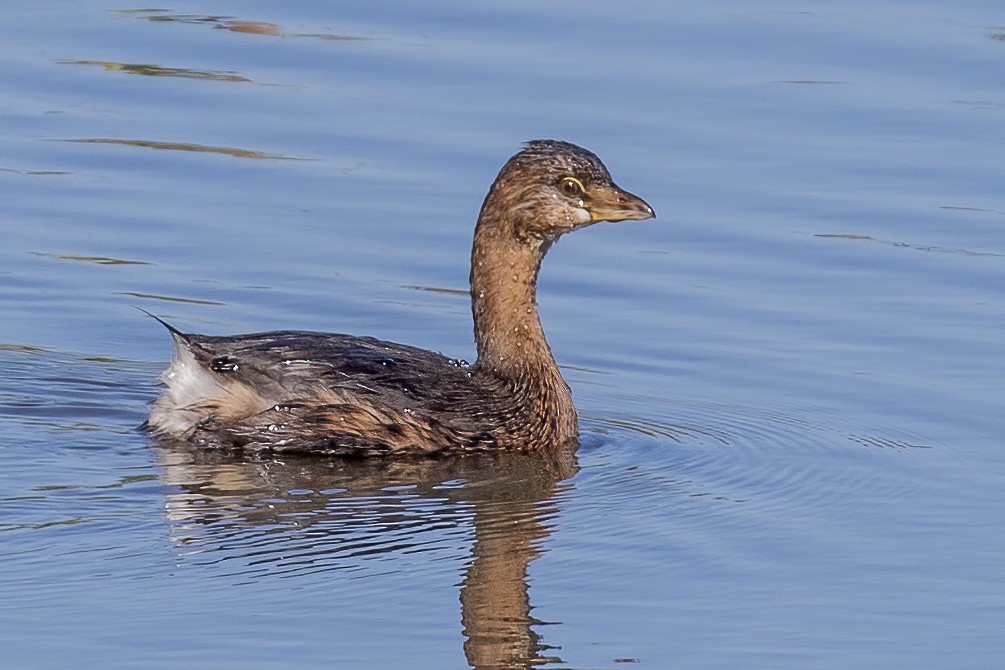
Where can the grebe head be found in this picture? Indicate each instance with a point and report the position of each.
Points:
(552, 187)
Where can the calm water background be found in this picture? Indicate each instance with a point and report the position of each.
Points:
(791, 381)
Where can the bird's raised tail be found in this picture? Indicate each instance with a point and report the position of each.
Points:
(194, 392)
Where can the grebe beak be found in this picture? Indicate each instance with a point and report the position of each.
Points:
(612, 203)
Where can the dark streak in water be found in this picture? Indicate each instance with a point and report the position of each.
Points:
(167, 298)
(151, 70)
(34, 173)
(971, 209)
(331, 37)
(72, 521)
(234, 24)
(99, 260)
(183, 146)
(980, 104)
(24, 348)
(906, 245)
(883, 443)
(438, 289)
(119, 483)
(579, 368)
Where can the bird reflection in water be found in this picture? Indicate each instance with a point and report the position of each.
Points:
(340, 513)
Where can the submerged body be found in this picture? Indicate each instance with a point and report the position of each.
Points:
(344, 395)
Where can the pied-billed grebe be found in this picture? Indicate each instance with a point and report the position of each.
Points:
(295, 391)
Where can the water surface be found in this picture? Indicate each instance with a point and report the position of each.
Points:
(790, 382)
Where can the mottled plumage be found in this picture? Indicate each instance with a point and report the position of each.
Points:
(296, 391)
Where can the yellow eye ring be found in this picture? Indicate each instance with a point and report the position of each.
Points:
(572, 187)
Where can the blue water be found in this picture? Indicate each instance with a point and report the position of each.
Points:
(790, 382)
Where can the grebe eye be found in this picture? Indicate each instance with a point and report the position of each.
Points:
(572, 187)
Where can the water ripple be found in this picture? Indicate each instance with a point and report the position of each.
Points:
(708, 454)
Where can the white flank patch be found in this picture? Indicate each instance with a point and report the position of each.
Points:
(191, 391)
